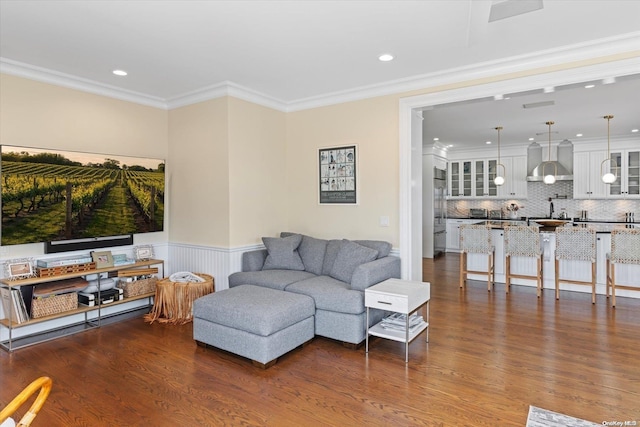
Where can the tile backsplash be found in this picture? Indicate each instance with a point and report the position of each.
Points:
(537, 204)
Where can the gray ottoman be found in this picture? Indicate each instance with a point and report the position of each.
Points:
(258, 323)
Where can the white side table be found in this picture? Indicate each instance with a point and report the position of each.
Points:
(398, 296)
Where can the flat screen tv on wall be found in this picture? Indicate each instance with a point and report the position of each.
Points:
(65, 198)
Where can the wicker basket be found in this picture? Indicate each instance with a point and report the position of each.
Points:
(53, 304)
(138, 287)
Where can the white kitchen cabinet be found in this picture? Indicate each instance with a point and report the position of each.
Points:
(515, 185)
(587, 181)
(628, 183)
(460, 179)
(472, 178)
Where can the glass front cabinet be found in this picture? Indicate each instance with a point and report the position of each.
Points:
(627, 185)
(472, 178)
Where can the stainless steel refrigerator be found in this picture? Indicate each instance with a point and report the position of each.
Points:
(439, 211)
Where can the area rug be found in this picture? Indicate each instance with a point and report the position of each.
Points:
(539, 417)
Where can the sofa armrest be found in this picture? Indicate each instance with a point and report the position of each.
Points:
(254, 260)
(376, 271)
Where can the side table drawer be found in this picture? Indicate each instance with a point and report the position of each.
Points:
(396, 303)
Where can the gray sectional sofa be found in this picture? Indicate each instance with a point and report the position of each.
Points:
(334, 273)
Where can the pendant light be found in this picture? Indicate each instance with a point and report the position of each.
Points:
(607, 176)
(499, 179)
(549, 178)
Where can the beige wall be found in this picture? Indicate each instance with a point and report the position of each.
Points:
(371, 124)
(36, 114)
(257, 172)
(198, 175)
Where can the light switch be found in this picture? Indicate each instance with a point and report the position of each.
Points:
(384, 221)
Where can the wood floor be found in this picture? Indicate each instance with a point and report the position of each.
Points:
(490, 356)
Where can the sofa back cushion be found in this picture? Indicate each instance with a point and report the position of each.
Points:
(333, 246)
(312, 252)
(349, 257)
(383, 248)
(283, 253)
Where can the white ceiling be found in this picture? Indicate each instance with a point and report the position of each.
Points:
(296, 51)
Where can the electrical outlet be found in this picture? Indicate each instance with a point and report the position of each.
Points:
(384, 221)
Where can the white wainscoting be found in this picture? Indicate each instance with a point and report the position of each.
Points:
(217, 262)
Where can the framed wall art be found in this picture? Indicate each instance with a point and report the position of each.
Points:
(337, 175)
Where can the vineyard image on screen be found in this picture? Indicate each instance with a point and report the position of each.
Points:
(50, 195)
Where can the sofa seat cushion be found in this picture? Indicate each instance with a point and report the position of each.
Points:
(254, 309)
(330, 294)
(275, 279)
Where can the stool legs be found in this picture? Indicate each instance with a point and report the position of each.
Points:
(463, 269)
(557, 279)
(592, 283)
(613, 285)
(490, 271)
(507, 271)
(540, 273)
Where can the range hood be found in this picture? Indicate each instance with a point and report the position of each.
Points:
(562, 173)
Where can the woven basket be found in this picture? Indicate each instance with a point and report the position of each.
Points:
(138, 287)
(53, 304)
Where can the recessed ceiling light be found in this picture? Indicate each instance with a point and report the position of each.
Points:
(119, 72)
(634, 130)
(436, 139)
(385, 57)
(578, 134)
(532, 139)
(589, 86)
(488, 142)
(450, 145)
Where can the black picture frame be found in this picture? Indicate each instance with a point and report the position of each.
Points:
(337, 175)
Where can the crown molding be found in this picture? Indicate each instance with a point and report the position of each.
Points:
(31, 72)
(226, 88)
(602, 48)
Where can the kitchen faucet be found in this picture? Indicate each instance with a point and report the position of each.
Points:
(550, 208)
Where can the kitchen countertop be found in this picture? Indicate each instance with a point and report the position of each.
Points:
(599, 226)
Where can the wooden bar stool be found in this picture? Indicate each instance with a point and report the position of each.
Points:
(625, 249)
(523, 241)
(576, 244)
(476, 239)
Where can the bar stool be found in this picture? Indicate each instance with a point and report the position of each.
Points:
(576, 244)
(523, 241)
(476, 239)
(625, 249)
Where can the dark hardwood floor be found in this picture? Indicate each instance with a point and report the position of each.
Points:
(490, 356)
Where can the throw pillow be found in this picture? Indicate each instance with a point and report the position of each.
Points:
(283, 253)
(350, 256)
(311, 252)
